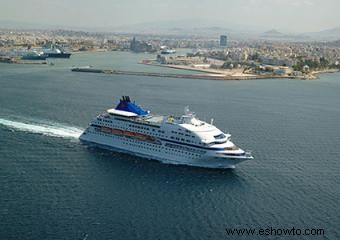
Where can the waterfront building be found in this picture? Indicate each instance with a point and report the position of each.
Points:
(223, 41)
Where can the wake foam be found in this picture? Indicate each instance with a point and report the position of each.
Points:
(45, 128)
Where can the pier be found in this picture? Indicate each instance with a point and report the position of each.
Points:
(168, 75)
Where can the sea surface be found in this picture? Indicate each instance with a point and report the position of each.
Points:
(54, 187)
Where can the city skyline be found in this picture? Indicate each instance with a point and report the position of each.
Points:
(287, 16)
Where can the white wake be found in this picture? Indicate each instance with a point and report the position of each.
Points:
(45, 128)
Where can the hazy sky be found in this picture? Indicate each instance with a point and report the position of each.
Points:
(284, 15)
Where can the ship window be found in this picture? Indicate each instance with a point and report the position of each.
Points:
(220, 136)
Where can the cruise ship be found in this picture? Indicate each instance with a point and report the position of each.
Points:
(175, 140)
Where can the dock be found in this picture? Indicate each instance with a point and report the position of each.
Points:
(15, 60)
(4, 59)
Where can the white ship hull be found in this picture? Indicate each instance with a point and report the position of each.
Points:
(191, 156)
(182, 140)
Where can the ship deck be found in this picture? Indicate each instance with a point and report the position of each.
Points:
(155, 119)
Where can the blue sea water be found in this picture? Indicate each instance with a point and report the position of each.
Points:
(53, 187)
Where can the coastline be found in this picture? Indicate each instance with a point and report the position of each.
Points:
(198, 72)
(226, 74)
(186, 75)
(330, 70)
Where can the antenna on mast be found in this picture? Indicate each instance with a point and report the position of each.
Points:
(186, 110)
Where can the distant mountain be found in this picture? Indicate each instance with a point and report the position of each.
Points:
(20, 25)
(276, 35)
(188, 27)
(193, 27)
(325, 35)
(332, 31)
(198, 27)
(273, 33)
(40, 26)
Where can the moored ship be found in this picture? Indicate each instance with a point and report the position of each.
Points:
(56, 52)
(33, 55)
(176, 140)
(167, 50)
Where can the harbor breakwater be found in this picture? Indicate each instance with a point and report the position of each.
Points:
(170, 75)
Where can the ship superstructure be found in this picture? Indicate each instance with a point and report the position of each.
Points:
(178, 140)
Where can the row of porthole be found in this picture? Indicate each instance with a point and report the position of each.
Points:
(174, 146)
(164, 148)
(172, 150)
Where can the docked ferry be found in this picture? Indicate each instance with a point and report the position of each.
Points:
(176, 140)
